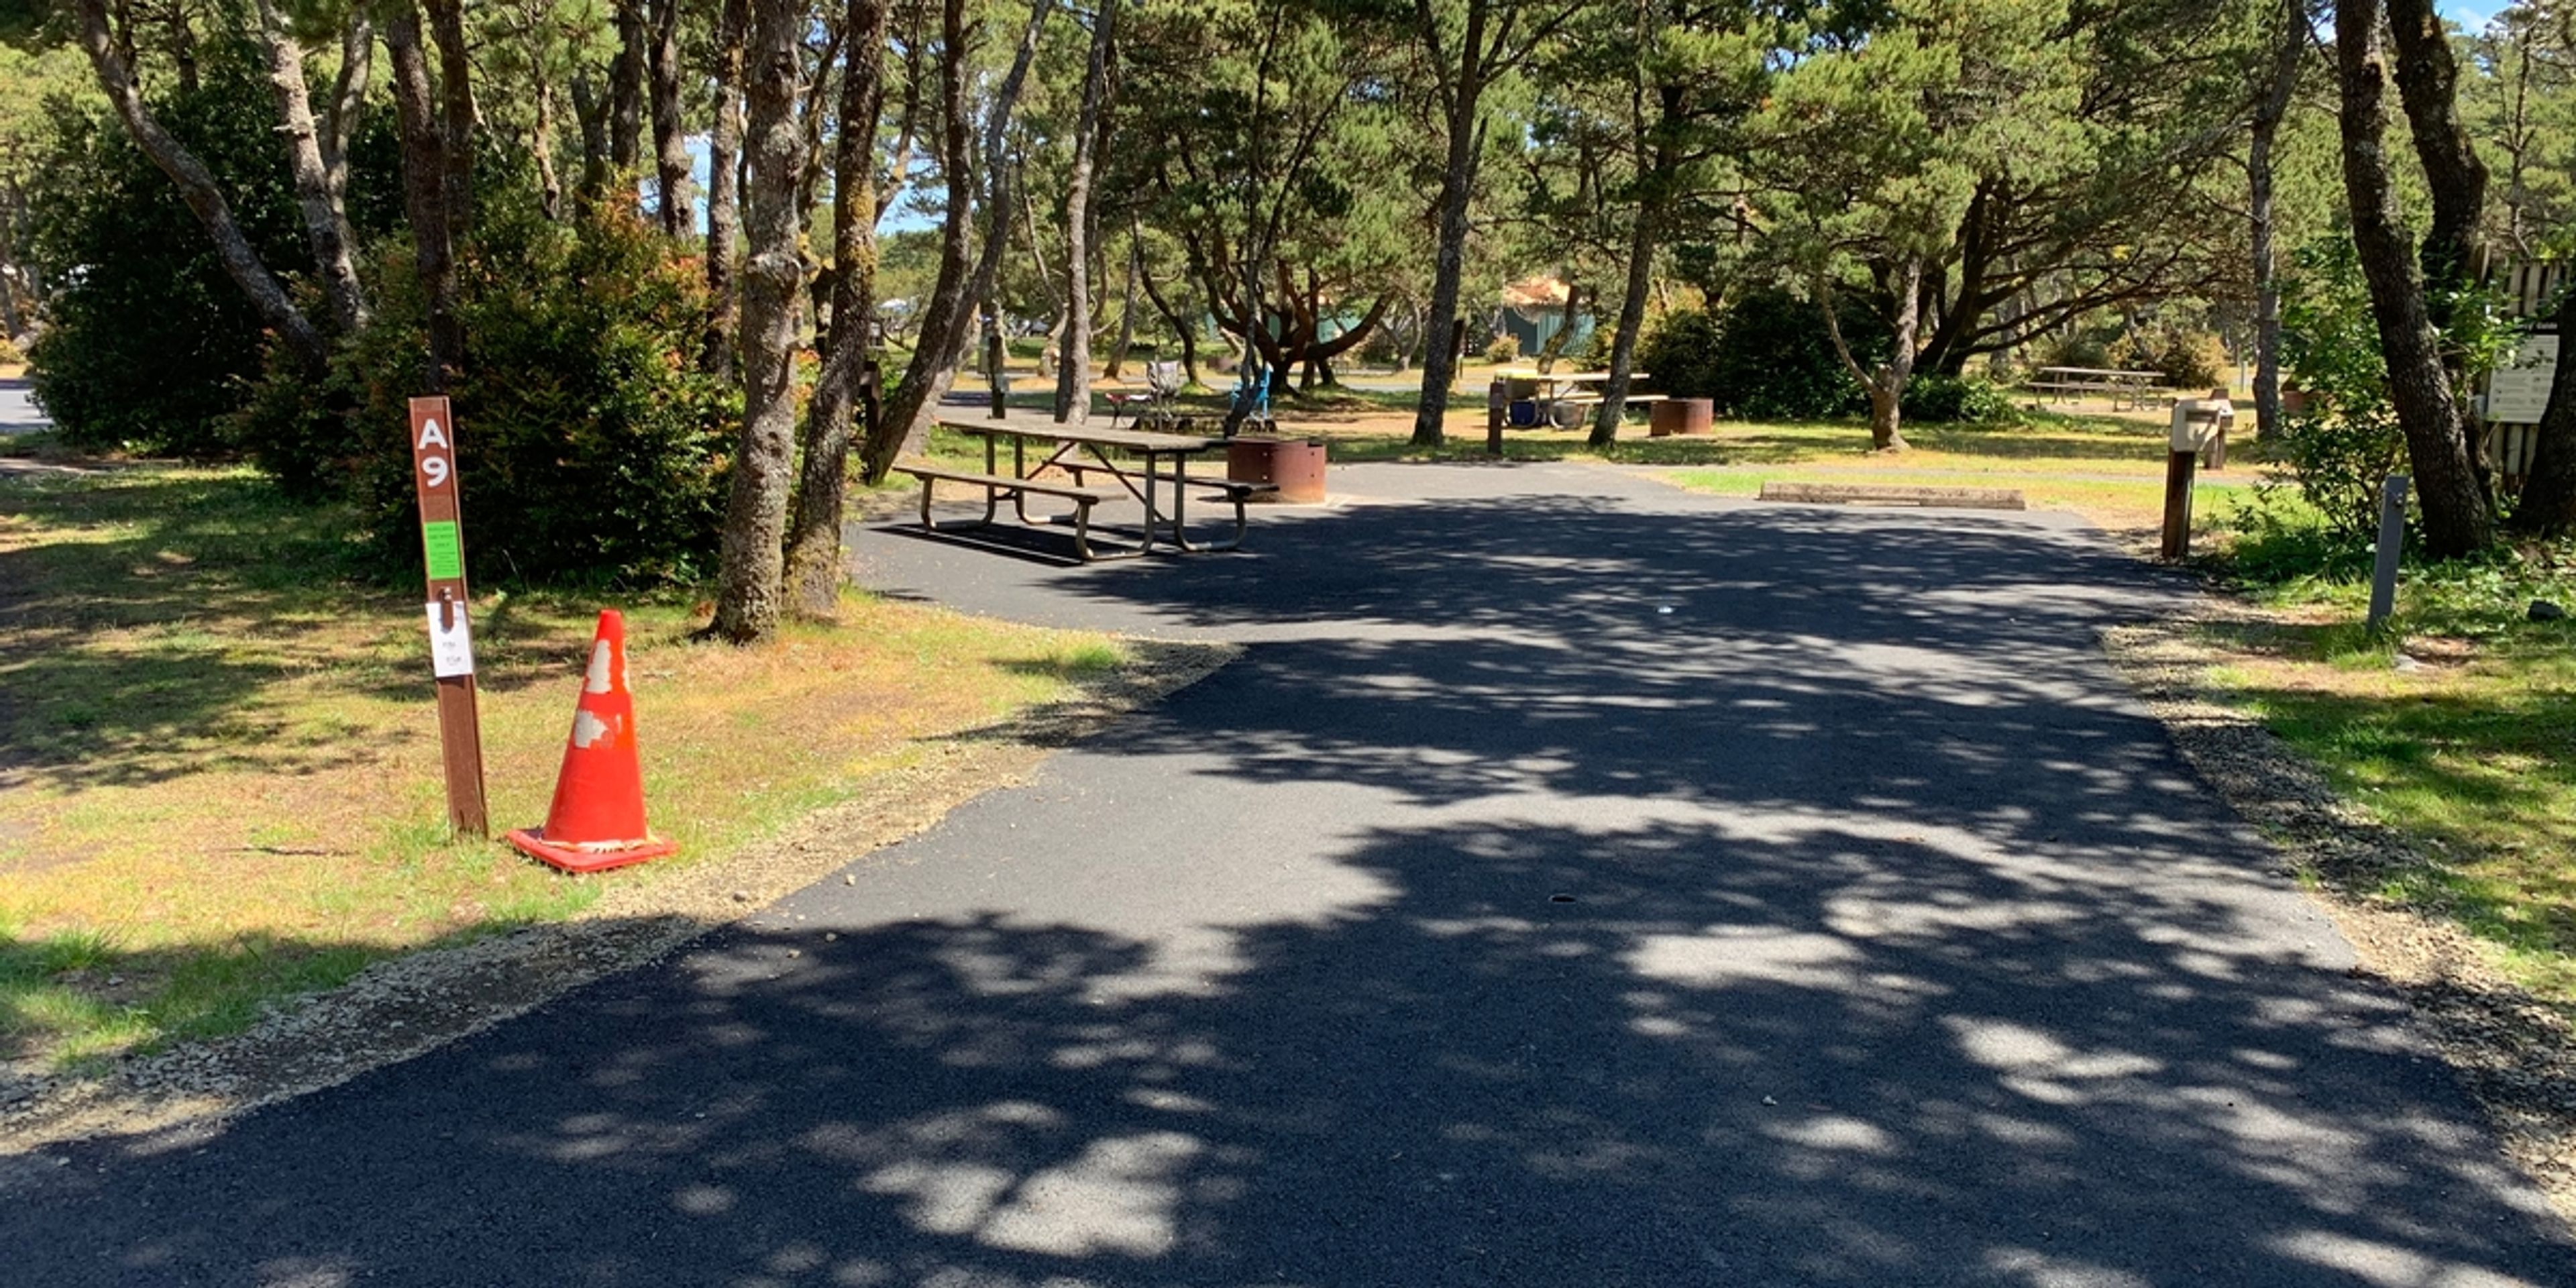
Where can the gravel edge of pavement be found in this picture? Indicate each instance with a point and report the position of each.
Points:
(410, 1005)
(2514, 1053)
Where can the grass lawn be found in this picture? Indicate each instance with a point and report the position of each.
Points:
(219, 779)
(2109, 470)
(2469, 744)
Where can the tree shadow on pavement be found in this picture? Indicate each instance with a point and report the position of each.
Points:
(1566, 893)
(1809, 1058)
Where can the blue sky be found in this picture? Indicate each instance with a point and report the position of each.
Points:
(2470, 13)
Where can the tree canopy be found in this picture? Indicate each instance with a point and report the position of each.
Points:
(335, 192)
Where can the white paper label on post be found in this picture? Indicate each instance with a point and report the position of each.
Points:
(451, 651)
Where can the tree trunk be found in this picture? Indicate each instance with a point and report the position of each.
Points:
(626, 87)
(2427, 85)
(2287, 57)
(1073, 372)
(814, 525)
(542, 145)
(1126, 306)
(670, 141)
(1449, 270)
(592, 116)
(348, 105)
(322, 221)
(1632, 317)
(2457, 519)
(1886, 406)
(751, 585)
(424, 192)
(2548, 504)
(945, 320)
(944, 316)
(456, 93)
(724, 204)
(1886, 384)
(1462, 114)
(183, 46)
(197, 188)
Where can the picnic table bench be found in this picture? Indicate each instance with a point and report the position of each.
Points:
(998, 486)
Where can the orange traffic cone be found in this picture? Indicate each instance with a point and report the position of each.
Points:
(597, 820)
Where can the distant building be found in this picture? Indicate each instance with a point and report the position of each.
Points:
(1533, 311)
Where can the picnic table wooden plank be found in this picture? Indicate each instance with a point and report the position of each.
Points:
(1139, 440)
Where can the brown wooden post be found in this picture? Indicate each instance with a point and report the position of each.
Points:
(2179, 467)
(442, 544)
(1497, 396)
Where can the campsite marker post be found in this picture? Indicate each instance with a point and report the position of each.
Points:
(451, 644)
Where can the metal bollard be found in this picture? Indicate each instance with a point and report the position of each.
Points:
(2392, 539)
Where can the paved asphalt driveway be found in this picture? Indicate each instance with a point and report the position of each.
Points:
(1578, 883)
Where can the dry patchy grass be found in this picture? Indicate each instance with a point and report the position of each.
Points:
(219, 777)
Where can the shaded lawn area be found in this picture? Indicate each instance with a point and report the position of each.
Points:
(2471, 747)
(219, 762)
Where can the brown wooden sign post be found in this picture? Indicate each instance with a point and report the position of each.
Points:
(451, 646)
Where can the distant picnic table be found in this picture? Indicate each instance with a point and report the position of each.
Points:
(2124, 388)
(1561, 398)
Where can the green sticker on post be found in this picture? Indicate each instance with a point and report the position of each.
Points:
(446, 553)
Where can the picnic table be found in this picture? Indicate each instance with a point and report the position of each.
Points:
(1156, 465)
(2130, 388)
(1564, 398)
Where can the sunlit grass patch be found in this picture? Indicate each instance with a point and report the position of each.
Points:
(2112, 476)
(2457, 726)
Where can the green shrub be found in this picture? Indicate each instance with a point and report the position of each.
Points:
(2081, 347)
(2189, 359)
(1767, 356)
(2281, 539)
(1957, 400)
(2347, 440)
(589, 448)
(1597, 347)
(1502, 349)
(149, 345)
